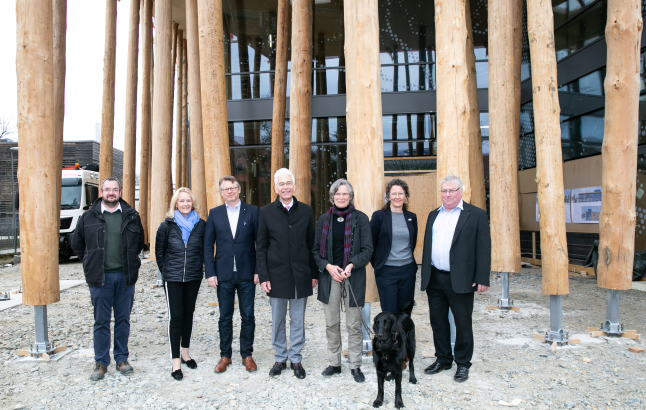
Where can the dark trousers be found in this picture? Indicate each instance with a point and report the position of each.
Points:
(113, 295)
(226, 297)
(396, 286)
(180, 299)
(441, 297)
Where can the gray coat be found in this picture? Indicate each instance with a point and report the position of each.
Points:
(359, 257)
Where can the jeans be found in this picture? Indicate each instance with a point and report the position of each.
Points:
(226, 297)
(112, 295)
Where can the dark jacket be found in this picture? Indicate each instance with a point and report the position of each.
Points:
(359, 257)
(243, 246)
(284, 249)
(88, 242)
(381, 225)
(176, 261)
(470, 255)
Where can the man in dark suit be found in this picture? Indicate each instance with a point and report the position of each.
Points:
(233, 228)
(456, 263)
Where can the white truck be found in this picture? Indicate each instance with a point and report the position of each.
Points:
(79, 189)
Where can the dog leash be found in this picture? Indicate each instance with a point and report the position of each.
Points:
(344, 295)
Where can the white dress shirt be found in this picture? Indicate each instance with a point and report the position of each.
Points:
(104, 209)
(234, 215)
(443, 231)
(288, 207)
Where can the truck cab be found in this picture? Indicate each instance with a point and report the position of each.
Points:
(79, 189)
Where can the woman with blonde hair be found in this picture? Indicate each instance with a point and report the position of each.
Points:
(179, 253)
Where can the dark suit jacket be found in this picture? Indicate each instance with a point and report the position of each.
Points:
(470, 255)
(243, 247)
(381, 227)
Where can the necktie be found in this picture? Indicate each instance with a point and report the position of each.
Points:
(287, 207)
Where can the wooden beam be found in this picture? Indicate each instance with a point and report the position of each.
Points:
(178, 103)
(280, 91)
(619, 149)
(549, 158)
(504, 129)
(300, 100)
(39, 173)
(146, 114)
(185, 160)
(130, 137)
(107, 109)
(198, 182)
(172, 92)
(215, 125)
(363, 108)
(60, 41)
(162, 114)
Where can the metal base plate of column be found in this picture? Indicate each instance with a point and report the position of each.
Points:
(159, 282)
(556, 332)
(611, 326)
(367, 343)
(504, 303)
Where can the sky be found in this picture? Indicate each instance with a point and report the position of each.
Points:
(84, 75)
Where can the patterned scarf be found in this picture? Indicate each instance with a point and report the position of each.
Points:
(347, 238)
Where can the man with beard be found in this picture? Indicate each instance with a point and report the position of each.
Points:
(108, 239)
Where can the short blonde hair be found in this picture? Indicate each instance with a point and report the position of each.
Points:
(173, 201)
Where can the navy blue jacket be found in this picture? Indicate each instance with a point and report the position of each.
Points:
(381, 225)
(243, 247)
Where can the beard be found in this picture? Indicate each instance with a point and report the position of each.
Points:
(109, 203)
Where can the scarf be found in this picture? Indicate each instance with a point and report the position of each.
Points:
(187, 224)
(347, 238)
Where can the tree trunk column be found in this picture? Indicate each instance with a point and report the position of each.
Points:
(39, 173)
(60, 40)
(504, 129)
(162, 115)
(363, 112)
(280, 92)
(146, 133)
(178, 119)
(214, 98)
(130, 138)
(549, 159)
(107, 110)
(185, 159)
(619, 150)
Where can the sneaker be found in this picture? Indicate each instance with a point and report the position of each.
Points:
(98, 372)
(124, 368)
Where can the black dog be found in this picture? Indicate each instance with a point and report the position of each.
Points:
(394, 341)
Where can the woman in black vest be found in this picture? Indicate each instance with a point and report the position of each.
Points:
(394, 235)
(179, 253)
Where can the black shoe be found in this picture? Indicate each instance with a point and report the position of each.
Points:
(358, 375)
(177, 374)
(277, 368)
(437, 367)
(299, 372)
(190, 363)
(462, 374)
(330, 370)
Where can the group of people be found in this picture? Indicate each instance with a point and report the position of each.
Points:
(280, 247)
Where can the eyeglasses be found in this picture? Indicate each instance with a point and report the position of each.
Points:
(286, 184)
(111, 190)
(398, 194)
(342, 194)
(449, 191)
(232, 189)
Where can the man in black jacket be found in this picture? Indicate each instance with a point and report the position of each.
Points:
(108, 239)
(286, 268)
(456, 263)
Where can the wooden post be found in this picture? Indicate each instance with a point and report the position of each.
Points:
(162, 114)
(178, 101)
(504, 129)
(146, 133)
(363, 112)
(184, 115)
(476, 164)
(39, 173)
(280, 91)
(453, 103)
(172, 92)
(130, 137)
(215, 126)
(549, 159)
(60, 41)
(107, 109)
(300, 100)
(619, 150)
(198, 181)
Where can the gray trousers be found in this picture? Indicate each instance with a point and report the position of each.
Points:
(296, 328)
(333, 327)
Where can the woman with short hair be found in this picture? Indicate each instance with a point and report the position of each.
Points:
(394, 235)
(179, 253)
(342, 248)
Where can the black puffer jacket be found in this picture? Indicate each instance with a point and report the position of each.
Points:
(176, 261)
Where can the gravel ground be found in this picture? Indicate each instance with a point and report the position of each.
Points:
(507, 365)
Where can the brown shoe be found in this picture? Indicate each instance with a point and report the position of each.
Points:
(221, 367)
(249, 364)
(124, 368)
(99, 372)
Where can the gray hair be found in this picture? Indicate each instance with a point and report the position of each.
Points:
(338, 184)
(452, 179)
(110, 179)
(281, 172)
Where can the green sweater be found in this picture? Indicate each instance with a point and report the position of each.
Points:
(113, 255)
